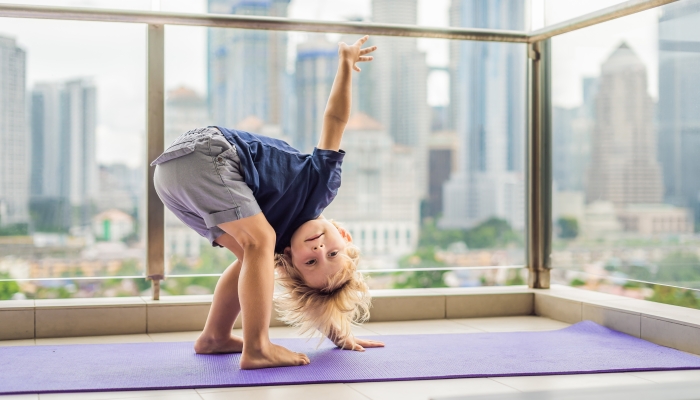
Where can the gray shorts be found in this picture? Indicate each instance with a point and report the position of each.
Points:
(200, 179)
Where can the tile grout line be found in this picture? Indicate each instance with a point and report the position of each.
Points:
(506, 385)
(357, 391)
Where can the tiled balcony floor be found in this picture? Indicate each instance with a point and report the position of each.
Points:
(413, 390)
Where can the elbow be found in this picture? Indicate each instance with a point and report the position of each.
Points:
(336, 119)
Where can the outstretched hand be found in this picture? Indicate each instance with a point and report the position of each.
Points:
(355, 53)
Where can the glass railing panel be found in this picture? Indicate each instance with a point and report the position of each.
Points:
(625, 144)
(622, 284)
(72, 164)
(433, 175)
(550, 12)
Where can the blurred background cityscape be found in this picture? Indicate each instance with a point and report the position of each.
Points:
(434, 172)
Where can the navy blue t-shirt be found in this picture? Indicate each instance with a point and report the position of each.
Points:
(291, 188)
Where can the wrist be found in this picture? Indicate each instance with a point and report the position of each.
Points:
(344, 62)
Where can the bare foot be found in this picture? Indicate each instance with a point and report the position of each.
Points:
(271, 355)
(210, 345)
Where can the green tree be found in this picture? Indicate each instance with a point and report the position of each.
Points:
(7, 288)
(214, 260)
(568, 227)
(514, 278)
(14, 230)
(577, 282)
(679, 267)
(493, 232)
(675, 296)
(424, 257)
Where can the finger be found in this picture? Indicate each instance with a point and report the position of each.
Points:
(356, 68)
(368, 50)
(365, 58)
(359, 348)
(372, 343)
(361, 40)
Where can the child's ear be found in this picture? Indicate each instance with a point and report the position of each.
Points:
(345, 234)
(288, 252)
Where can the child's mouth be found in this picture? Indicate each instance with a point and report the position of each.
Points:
(314, 237)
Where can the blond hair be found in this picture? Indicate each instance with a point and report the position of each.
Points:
(332, 310)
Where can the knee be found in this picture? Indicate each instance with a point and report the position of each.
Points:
(262, 237)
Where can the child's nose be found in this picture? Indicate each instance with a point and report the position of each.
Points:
(317, 247)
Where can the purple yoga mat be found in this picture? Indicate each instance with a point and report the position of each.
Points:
(582, 348)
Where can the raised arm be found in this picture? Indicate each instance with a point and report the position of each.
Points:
(340, 101)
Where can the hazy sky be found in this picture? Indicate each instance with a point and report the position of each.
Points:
(113, 55)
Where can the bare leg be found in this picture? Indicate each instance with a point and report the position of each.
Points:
(255, 289)
(217, 337)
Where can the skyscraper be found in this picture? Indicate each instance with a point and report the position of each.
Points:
(64, 169)
(247, 68)
(679, 104)
(185, 109)
(399, 79)
(487, 101)
(14, 143)
(316, 65)
(623, 167)
(377, 202)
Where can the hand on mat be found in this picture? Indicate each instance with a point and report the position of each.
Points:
(359, 344)
(355, 53)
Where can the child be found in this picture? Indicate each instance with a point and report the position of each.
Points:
(262, 200)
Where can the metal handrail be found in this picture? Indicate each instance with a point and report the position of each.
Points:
(360, 28)
(258, 22)
(596, 17)
(175, 276)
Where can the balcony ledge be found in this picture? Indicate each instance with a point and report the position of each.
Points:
(663, 324)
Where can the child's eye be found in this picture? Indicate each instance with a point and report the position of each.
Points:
(333, 254)
(311, 262)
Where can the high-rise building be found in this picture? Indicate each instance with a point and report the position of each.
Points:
(247, 72)
(679, 104)
(64, 173)
(442, 159)
(488, 105)
(14, 141)
(400, 83)
(623, 166)
(377, 201)
(185, 109)
(316, 66)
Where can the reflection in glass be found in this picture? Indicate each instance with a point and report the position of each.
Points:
(626, 192)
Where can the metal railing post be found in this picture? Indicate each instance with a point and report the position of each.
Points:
(539, 165)
(155, 126)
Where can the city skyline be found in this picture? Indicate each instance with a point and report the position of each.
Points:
(114, 55)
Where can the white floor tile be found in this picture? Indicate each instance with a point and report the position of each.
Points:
(20, 397)
(557, 382)
(140, 338)
(21, 342)
(184, 394)
(670, 376)
(512, 324)
(419, 327)
(299, 392)
(422, 390)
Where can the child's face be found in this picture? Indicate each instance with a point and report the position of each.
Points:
(316, 250)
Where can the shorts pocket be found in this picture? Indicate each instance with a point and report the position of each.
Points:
(175, 151)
